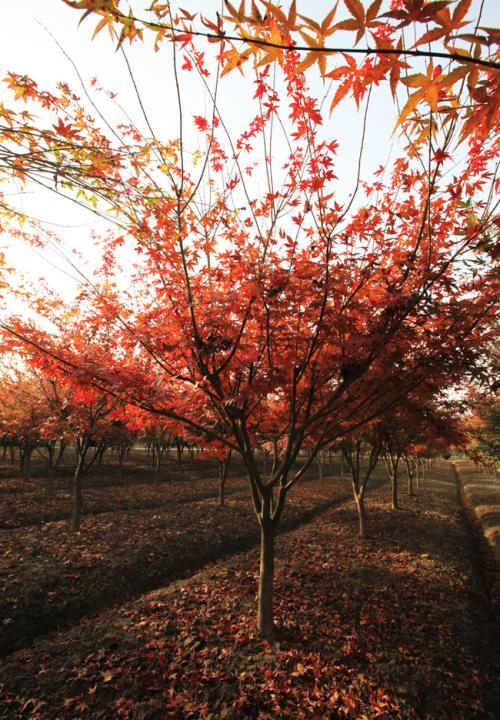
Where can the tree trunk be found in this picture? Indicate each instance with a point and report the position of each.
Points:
(121, 457)
(157, 470)
(394, 490)
(320, 470)
(265, 618)
(360, 504)
(26, 463)
(60, 454)
(410, 483)
(77, 496)
(222, 483)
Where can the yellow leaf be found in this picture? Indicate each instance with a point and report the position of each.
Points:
(234, 59)
(322, 64)
(269, 57)
(310, 23)
(458, 51)
(256, 14)
(434, 34)
(309, 40)
(309, 60)
(432, 96)
(411, 104)
(276, 34)
(417, 80)
(447, 81)
(234, 13)
(102, 23)
(328, 19)
(277, 13)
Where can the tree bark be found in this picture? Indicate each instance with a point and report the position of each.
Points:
(360, 504)
(26, 462)
(157, 470)
(222, 483)
(265, 618)
(223, 470)
(411, 465)
(410, 483)
(77, 496)
(178, 448)
(60, 454)
(394, 490)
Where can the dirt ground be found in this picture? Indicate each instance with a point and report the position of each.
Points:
(398, 626)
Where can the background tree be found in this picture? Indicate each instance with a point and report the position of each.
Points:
(369, 443)
(482, 425)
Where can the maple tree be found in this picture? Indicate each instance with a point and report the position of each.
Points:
(426, 425)
(223, 456)
(353, 449)
(399, 435)
(86, 422)
(276, 320)
(24, 415)
(481, 426)
(40, 413)
(120, 438)
(52, 441)
(33, 416)
(157, 434)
